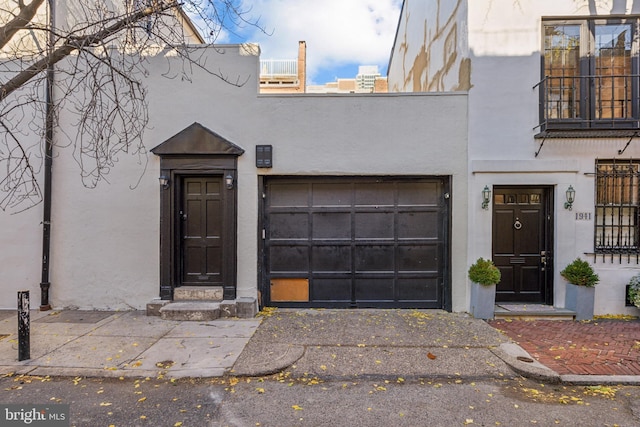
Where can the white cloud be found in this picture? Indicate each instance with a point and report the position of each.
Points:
(337, 32)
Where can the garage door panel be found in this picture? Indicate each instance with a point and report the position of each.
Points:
(375, 194)
(289, 226)
(374, 258)
(419, 194)
(331, 289)
(374, 225)
(372, 289)
(331, 225)
(418, 258)
(284, 195)
(423, 289)
(422, 225)
(288, 259)
(358, 241)
(331, 258)
(332, 194)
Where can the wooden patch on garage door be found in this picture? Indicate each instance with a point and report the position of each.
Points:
(289, 290)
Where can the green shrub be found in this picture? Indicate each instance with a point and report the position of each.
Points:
(580, 273)
(634, 290)
(484, 272)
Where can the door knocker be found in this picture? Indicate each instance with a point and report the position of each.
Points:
(517, 225)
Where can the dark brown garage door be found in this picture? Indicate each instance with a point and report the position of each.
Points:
(355, 242)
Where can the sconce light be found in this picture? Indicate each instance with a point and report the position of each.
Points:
(571, 195)
(164, 181)
(228, 180)
(486, 197)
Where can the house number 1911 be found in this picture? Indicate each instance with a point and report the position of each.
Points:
(583, 216)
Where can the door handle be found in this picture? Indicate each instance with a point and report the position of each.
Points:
(183, 216)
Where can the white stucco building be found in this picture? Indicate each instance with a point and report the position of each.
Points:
(554, 114)
(289, 200)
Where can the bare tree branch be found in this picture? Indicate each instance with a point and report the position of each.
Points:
(99, 56)
(20, 21)
(73, 43)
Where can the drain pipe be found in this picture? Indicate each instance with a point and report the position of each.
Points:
(48, 162)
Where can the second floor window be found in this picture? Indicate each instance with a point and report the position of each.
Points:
(590, 74)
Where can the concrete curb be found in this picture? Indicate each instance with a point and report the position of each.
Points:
(277, 357)
(523, 364)
(518, 360)
(633, 380)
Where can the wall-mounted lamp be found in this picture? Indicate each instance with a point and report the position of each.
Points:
(486, 197)
(571, 196)
(164, 181)
(228, 180)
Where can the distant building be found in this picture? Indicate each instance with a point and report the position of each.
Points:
(368, 80)
(285, 75)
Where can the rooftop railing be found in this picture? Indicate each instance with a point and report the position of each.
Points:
(275, 68)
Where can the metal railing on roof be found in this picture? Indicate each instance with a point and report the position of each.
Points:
(274, 68)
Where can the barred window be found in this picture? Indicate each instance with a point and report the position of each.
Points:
(617, 202)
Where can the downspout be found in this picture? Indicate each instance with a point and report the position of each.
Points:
(48, 161)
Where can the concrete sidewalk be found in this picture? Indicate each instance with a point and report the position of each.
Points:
(123, 344)
(305, 343)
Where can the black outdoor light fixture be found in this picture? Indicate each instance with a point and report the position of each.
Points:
(164, 181)
(228, 180)
(571, 196)
(486, 196)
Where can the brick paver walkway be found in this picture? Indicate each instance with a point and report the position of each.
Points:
(597, 347)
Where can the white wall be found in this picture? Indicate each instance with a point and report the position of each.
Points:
(430, 50)
(105, 249)
(504, 44)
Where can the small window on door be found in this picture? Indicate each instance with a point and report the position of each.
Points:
(617, 202)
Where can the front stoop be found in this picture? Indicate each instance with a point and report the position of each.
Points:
(201, 304)
(198, 293)
(532, 312)
(192, 310)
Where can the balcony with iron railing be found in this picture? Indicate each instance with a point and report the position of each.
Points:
(589, 102)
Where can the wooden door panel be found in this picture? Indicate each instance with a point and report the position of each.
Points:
(201, 237)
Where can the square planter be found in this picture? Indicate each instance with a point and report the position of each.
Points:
(580, 299)
(483, 301)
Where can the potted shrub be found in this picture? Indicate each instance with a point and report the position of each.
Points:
(633, 290)
(484, 276)
(580, 293)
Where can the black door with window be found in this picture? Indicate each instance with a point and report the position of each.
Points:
(521, 244)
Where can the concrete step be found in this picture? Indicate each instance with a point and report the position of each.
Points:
(532, 312)
(198, 293)
(244, 308)
(192, 310)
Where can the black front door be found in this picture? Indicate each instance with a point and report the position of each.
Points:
(521, 244)
(201, 238)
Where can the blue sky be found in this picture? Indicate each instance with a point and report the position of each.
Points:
(340, 34)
